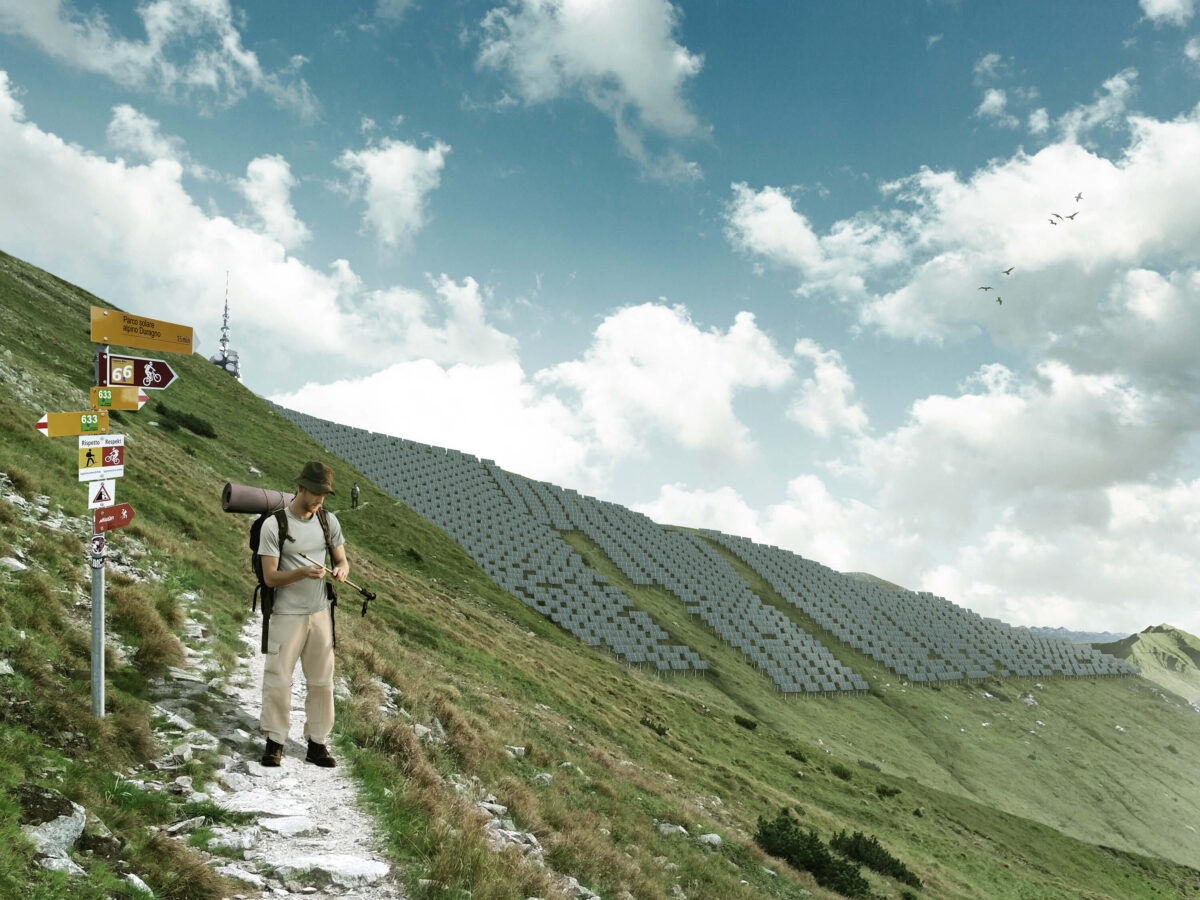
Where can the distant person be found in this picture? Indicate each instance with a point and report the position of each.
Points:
(354, 496)
(301, 624)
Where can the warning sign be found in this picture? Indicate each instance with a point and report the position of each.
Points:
(102, 493)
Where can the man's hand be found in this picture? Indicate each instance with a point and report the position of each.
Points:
(317, 572)
(341, 571)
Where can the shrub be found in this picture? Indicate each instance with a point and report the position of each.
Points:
(796, 754)
(21, 481)
(173, 419)
(867, 764)
(655, 724)
(884, 791)
(873, 855)
(748, 724)
(841, 771)
(783, 837)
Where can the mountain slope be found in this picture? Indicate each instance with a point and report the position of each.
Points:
(1167, 656)
(1088, 793)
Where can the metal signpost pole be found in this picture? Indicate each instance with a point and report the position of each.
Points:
(97, 601)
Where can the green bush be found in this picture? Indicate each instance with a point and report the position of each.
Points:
(841, 771)
(173, 419)
(884, 791)
(796, 754)
(872, 854)
(783, 837)
(748, 724)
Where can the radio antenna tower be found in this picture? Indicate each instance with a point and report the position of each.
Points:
(227, 359)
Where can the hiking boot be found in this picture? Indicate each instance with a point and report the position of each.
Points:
(318, 754)
(272, 754)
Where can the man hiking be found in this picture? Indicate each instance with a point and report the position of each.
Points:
(301, 623)
(354, 496)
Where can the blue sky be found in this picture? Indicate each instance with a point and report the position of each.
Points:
(717, 262)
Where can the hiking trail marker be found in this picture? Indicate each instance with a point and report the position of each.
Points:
(113, 517)
(111, 326)
(101, 457)
(120, 371)
(129, 399)
(121, 382)
(68, 423)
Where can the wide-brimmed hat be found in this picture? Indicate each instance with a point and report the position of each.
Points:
(316, 477)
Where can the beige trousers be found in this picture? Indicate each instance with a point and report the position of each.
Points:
(308, 639)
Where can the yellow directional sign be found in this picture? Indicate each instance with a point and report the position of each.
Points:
(128, 398)
(68, 423)
(111, 326)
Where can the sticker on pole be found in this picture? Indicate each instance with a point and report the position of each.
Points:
(97, 551)
(101, 494)
(101, 457)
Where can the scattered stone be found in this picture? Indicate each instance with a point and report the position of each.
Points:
(5, 667)
(667, 828)
(137, 883)
(515, 752)
(239, 874)
(542, 779)
(15, 564)
(712, 840)
(186, 825)
(338, 869)
(50, 821)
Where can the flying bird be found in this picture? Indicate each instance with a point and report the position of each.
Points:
(1052, 222)
(1079, 196)
(1007, 271)
(1056, 215)
(1073, 215)
(987, 288)
(1000, 300)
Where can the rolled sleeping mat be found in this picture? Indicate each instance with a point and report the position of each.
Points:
(241, 498)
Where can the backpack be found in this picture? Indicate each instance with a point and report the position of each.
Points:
(268, 593)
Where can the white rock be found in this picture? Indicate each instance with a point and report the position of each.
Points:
(241, 874)
(15, 564)
(5, 667)
(290, 826)
(515, 751)
(58, 836)
(60, 864)
(264, 802)
(542, 778)
(340, 868)
(713, 840)
(666, 828)
(139, 884)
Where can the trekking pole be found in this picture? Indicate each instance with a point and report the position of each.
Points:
(368, 596)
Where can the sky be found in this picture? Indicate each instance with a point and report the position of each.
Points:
(906, 288)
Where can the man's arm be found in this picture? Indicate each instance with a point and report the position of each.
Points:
(341, 565)
(276, 579)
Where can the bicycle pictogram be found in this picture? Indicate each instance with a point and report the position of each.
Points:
(151, 375)
(113, 457)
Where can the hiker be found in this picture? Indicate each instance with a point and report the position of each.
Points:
(301, 621)
(354, 496)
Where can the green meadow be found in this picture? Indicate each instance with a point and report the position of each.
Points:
(998, 789)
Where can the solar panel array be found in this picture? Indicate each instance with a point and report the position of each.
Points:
(512, 527)
(919, 636)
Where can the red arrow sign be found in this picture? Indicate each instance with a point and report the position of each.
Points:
(136, 371)
(111, 517)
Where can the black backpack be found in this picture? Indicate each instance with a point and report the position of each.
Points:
(268, 593)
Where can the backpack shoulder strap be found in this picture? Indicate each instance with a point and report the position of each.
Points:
(323, 518)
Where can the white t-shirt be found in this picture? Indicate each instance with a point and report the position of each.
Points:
(306, 596)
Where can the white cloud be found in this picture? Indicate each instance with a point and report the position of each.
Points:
(393, 11)
(1191, 52)
(491, 410)
(134, 132)
(622, 57)
(932, 39)
(1039, 121)
(652, 371)
(267, 188)
(192, 47)
(1168, 12)
(989, 66)
(1107, 110)
(136, 236)
(824, 403)
(994, 106)
(394, 179)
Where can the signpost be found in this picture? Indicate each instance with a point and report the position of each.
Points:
(111, 326)
(101, 457)
(101, 493)
(69, 423)
(113, 517)
(133, 371)
(125, 398)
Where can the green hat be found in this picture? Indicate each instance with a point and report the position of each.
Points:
(316, 477)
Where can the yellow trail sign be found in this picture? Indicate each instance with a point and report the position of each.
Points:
(111, 326)
(68, 423)
(127, 398)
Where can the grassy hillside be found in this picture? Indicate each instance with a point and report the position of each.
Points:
(1090, 793)
(1167, 656)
